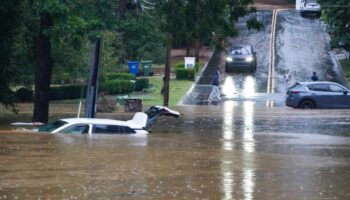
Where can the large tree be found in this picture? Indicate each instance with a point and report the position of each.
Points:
(195, 20)
(336, 13)
(10, 15)
(63, 20)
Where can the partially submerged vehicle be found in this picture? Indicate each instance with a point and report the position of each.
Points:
(138, 124)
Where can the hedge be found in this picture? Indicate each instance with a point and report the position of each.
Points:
(141, 84)
(68, 92)
(114, 87)
(111, 87)
(24, 94)
(185, 74)
(119, 76)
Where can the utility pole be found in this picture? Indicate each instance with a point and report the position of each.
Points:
(166, 80)
(91, 96)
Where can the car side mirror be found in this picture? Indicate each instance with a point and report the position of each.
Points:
(345, 92)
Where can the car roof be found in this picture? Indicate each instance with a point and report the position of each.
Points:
(95, 121)
(316, 82)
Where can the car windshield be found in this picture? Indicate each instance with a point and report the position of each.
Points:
(311, 1)
(51, 126)
(241, 50)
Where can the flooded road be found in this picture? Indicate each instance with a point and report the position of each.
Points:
(301, 46)
(233, 151)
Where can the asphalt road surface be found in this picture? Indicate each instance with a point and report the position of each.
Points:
(301, 46)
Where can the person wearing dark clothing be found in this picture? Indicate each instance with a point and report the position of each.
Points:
(216, 78)
(314, 76)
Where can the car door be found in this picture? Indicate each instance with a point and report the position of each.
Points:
(321, 94)
(77, 129)
(341, 97)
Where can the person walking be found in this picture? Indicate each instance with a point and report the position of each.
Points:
(314, 76)
(287, 78)
(215, 92)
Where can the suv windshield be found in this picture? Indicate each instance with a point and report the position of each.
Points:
(51, 126)
(241, 50)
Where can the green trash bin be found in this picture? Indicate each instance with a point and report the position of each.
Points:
(147, 67)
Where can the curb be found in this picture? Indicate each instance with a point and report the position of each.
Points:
(197, 78)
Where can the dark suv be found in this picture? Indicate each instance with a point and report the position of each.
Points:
(241, 57)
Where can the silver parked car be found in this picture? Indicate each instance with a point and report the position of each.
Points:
(318, 94)
(310, 7)
(241, 57)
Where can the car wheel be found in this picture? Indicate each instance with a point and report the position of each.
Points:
(307, 104)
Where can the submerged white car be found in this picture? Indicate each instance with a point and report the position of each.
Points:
(138, 124)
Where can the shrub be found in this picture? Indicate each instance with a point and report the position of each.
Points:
(114, 87)
(179, 66)
(185, 74)
(182, 66)
(68, 92)
(141, 84)
(24, 94)
(119, 76)
(106, 103)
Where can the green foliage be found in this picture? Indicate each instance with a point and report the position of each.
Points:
(181, 65)
(253, 23)
(141, 83)
(9, 11)
(68, 92)
(142, 37)
(185, 74)
(24, 94)
(115, 87)
(336, 14)
(119, 76)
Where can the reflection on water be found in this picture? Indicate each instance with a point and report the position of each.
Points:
(228, 88)
(242, 86)
(248, 86)
(230, 136)
(233, 151)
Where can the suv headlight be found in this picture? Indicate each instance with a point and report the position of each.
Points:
(229, 59)
(249, 59)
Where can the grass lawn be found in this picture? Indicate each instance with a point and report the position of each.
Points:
(346, 68)
(152, 96)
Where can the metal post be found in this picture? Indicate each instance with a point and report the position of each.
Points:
(92, 91)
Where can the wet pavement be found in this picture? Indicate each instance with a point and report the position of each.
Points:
(301, 46)
(231, 151)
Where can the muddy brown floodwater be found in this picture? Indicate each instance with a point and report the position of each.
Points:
(233, 151)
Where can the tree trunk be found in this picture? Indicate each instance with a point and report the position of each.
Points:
(122, 8)
(188, 49)
(166, 81)
(197, 32)
(43, 70)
